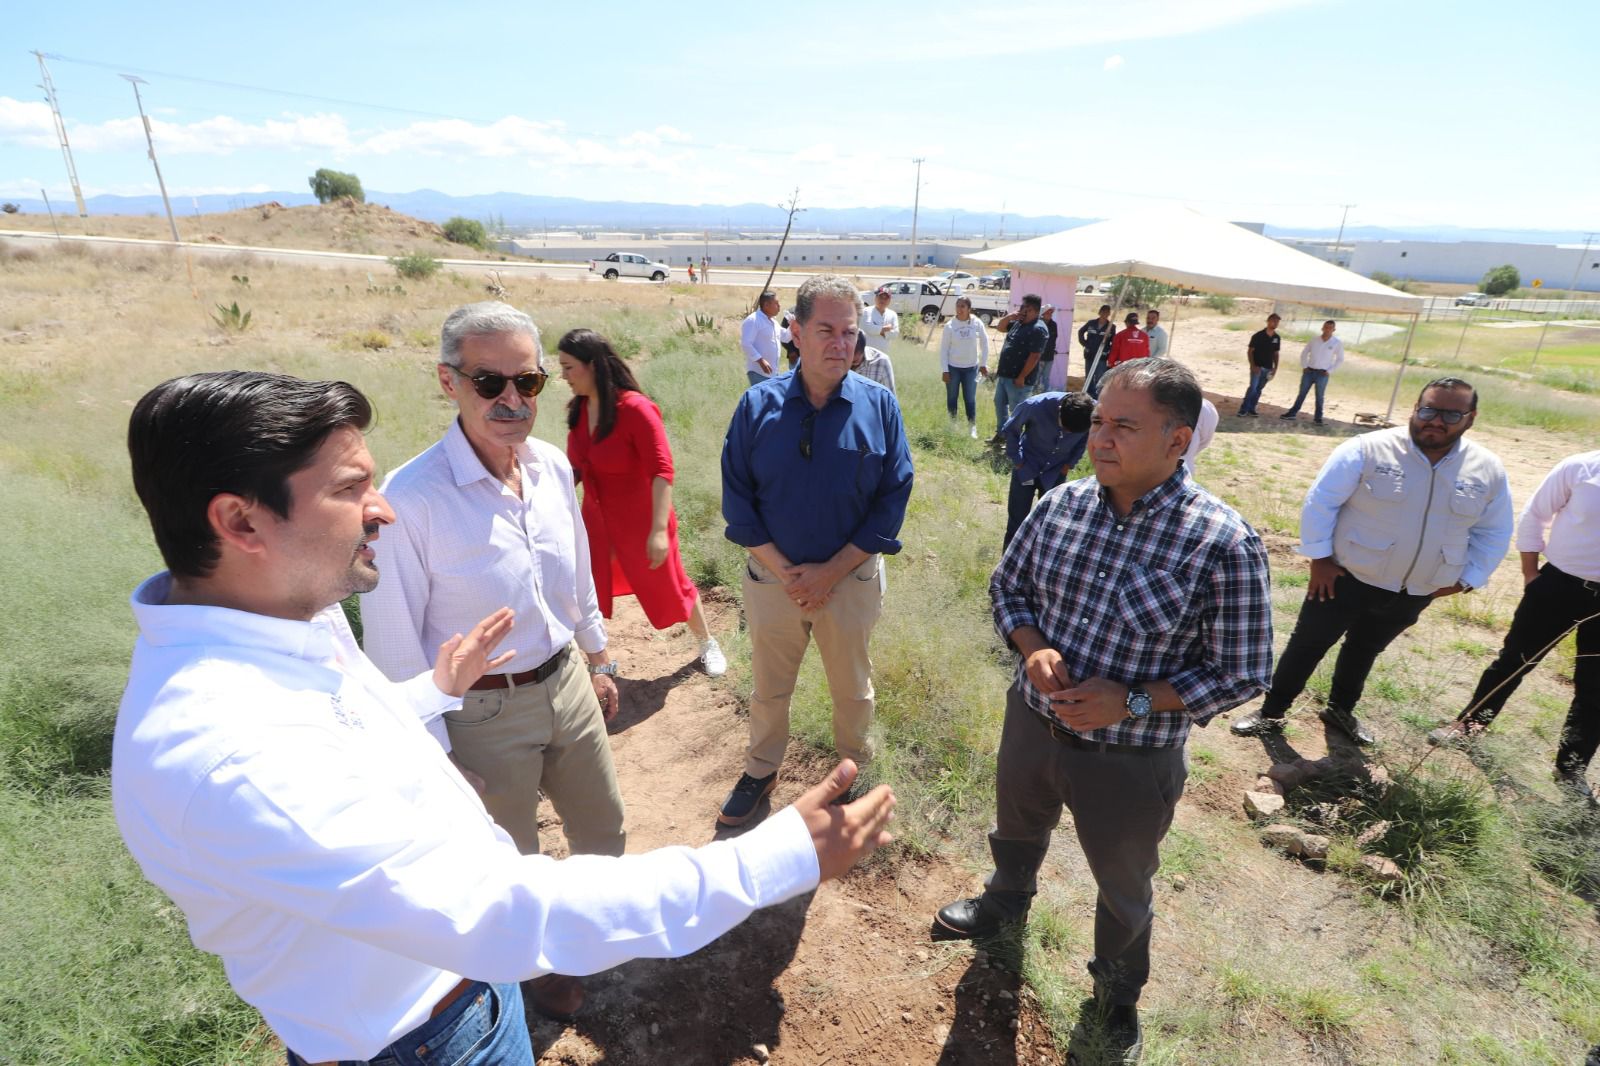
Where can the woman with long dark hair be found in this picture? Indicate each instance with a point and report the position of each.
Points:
(618, 448)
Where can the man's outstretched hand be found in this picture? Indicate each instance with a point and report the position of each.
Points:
(464, 659)
(845, 835)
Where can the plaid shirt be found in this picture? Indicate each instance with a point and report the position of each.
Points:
(1177, 591)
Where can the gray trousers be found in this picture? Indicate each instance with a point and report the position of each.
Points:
(1122, 804)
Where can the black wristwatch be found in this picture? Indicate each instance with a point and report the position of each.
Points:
(1139, 703)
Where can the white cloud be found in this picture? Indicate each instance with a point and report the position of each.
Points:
(1111, 63)
(26, 123)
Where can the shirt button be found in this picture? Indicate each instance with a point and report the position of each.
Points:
(1083, 621)
(1102, 573)
(1121, 528)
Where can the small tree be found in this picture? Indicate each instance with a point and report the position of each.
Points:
(1500, 280)
(466, 231)
(416, 266)
(1139, 292)
(10, 209)
(334, 184)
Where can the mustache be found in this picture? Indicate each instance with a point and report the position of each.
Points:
(501, 413)
(370, 530)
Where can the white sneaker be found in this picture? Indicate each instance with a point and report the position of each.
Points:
(712, 659)
(972, 431)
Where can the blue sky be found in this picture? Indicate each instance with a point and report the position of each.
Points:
(1419, 113)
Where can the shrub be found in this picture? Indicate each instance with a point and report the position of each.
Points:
(466, 231)
(230, 319)
(1399, 284)
(334, 185)
(1500, 280)
(10, 208)
(1139, 292)
(1218, 301)
(416, 266)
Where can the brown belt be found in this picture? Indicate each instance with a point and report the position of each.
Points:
(527, 677)
(438, 1008)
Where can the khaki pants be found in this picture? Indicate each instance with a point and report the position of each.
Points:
(779, 633)
(550, 736)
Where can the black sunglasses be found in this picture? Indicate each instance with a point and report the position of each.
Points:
(1449, 418)
(489, 386)
(808, 425)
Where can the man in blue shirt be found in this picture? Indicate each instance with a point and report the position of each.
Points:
(1026, 337)
(816, 473)
(1045, 439)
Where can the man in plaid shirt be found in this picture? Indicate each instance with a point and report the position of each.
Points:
(1140, 605)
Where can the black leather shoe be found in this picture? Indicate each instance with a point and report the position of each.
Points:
(971, 919)
(745, 797)
(1575, 784)
(1347, 723)
(1124, 1036)
(1255, 724)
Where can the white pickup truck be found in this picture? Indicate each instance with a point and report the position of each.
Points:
(627, 265)
(932, 303)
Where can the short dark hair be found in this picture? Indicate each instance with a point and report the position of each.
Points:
(1274, 315)
(1105, 309)
(611, 377)
(1171, 385)
(861, 343)
(1077, 409)
(1450, 383)
(767, 294)
(1032, 300)
(230, 431)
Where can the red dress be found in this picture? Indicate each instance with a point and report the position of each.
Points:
(616, 474)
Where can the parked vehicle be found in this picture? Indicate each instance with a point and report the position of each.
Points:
(628, 265)
(1474, 299)
(955, 280)
(1000, 279)
(932, 303)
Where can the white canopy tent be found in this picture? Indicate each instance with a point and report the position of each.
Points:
(1178, 246)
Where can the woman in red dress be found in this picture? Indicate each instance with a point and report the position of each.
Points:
(618, 448)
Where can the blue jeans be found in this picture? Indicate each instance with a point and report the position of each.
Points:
(1310, 379)
(1007, 395)
(755, 377)
(1041, 380)
(1019, 501)
(1258, 382)
(483, 1027)
(963, 379)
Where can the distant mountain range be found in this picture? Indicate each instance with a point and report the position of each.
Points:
(522, 211)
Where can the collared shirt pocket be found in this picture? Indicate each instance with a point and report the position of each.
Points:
(1151, 600)
(869, 469)
(1365, 548)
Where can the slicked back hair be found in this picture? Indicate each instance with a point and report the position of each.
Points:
(232, 431)
(1450, 383)
(1172, 386)
(483, 319)
(823, 287)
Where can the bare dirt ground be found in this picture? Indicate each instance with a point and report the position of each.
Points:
(845, 975)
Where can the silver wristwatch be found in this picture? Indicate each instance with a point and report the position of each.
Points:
(608, 669)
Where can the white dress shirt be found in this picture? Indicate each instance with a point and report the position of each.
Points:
(964, 344)
(463, 545)
(282, 792)
(1158, 342)
(1320, 354)
(1563, 517)
(872, 323)
(1204, 429)
(759, 339)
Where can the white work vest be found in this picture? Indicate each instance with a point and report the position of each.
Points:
(1406, 524)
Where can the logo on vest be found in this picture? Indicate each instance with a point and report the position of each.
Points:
(345, 716)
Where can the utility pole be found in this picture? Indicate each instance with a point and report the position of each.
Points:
(151, 141)
(916, 201)
(1338, 242)
(49, 88)
(1577, 273)
(793, 209)
(1002, 234)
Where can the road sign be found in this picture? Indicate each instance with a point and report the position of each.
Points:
(1538, 282)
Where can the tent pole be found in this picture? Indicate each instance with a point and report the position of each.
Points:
(1388, 416)
(1177, 306)
(1100, 352)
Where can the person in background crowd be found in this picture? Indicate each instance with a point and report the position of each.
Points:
(1139, 605)
(1096, 337)
(1044, 441)
(288, 799)
(791, 354)
(1025, 339)
(880, 322)
(758, 339)
(705, 270)
(872, 364)
(1396, 519)
(691, 272)
(1320, 358)
(1204, 429)
(1041, 373)
(1158, 334)
(963, 356)
(1562, 520)
(618, 448)
(1262, 358)
(488, 516)
(1131, 343)
(816, 474)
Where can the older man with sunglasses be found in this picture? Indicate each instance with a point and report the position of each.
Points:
(816, 473)
(1395, 520)
(488, 518)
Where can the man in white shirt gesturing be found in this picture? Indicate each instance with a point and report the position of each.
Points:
(288, 799)
(758, 339)
(880, 323)
(1320, 357)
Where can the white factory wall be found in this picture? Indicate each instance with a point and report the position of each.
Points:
(1466, 262)
(851, 255)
